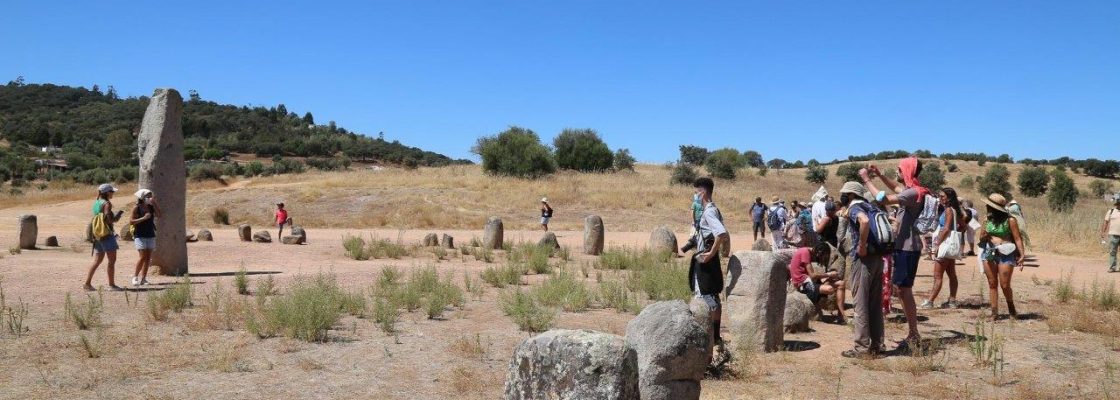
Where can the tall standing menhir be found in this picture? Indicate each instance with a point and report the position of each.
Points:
(160, 150)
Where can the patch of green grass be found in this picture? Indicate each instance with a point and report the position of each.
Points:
(175, 299)
(664, 281)
(625, 258)
(615, 295)
(500, 277)
(85, 316)
(527, 312)
(484, 254)
(385, 313)
(241, 281)
(564, 290)
(385, 248)
(1104, 296)
(1063, 290)
(307, 311)
(355, 247)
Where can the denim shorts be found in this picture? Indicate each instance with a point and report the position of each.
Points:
(712, 300)
(145, 243)
(1000, 259)
(810, 289)
(106, 245)
(905, 268)
(544, 220)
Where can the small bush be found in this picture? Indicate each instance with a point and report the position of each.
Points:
(624, 258)
(623, 161)
(615, 295)
(665, 281)
(582, 150)
(526, 312)
(500, 277)
(1063, 195)
(1099, 188)
(952, 167)
(385, 313)
(693, 155)
(849, 172)
(220, 216)
(384, 248)
(683, 174)
(1033, 181)
(266, 286)
(206, 172)
(306, 312)
(1063, 290)
(967, 182)
(515, 152)
(995, 181)
(355, 247)
(84, 316)
(724, 163)
(175, 299)
(931, 176)
(816, 174)
(563, 290)
(241, 281)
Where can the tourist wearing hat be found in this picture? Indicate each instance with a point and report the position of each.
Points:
(776, 221)
(546, 213)
(144, 233)
(910, 196)
(867, 270)
(104, 248)
(1111, 227)
(1002, 246)
(282, 218)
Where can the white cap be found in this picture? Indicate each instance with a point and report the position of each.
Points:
(106, 188)
(544, 199)
(142, 193)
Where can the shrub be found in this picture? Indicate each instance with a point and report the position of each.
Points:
(683, 174)
(254, 168)
(693, 155)
(84, 316)
(582, 150)
(1063, 195)
(499, 277)
(753, 159)
(563, 290)
(623, 161)
(1033, 181)
(952, 167)
(515, 152)
(1099, 188)
(241, 281)
(967, 182)
(762, 171)
(995, 181)
(662, 281)
(816, 174)
(849, 172)
(526, 312)
(379, 248)
(355, 247)
(176, 298)
(723, 163)
(206, 172)
(306, 312)
(385, 312)
(931, 176)
(220, 216)
(615, 295)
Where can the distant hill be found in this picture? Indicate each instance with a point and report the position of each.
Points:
(91, 129)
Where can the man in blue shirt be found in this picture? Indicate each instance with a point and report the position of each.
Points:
(758, 217)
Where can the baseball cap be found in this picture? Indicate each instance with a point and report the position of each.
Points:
(106, 188)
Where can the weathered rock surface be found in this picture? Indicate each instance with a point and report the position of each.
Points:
(205, 235)
(190, 237)
(799, 311)
(493, 235)
(593, 235)
(572, 365)
(430, 240)
(756, 295)
(160, 150)
(549, 240)
(245, 232)
(663, 239)
(262, 237)
(298, 231)
(28, 231)
(447, 242)
(673, 351)
(291, 239)
(762, 245)
(52, 241)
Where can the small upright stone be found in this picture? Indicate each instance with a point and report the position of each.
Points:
(762, 245)
(799, 311)
(298, 231)
(190, 237)
(493, 235)
(52, 241)
(549, 240)
(447, 242)
(756, 295)
(28, 231)
(673, 351)
(593, 233)
(431, 240)
(262, 237)
(245, 232)
(205, 235)
(663, 240)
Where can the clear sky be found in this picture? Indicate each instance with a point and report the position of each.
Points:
(795, 80)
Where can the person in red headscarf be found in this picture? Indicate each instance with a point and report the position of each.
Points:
(909, 195)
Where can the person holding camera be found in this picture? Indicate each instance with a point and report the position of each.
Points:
(104, 247)
(144, 235)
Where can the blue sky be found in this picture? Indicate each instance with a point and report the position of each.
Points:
(795, 80)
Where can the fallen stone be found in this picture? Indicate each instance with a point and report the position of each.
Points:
(571, 364)
(291, 239)
(190, 237)
(494, 234)
(160, 150)
(298, 231)
(593, 234)
(52, 241)
(663, 240)
(762, 245)
(205, 236)
(28, 231)
(756, 296)
(673, 351)
(245, 232)
(549, 240)
(262, 237)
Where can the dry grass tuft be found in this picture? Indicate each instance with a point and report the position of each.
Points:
(469, 348)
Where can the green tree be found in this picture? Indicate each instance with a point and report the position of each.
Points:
(308, 118)
(693, 155)
(623, 160)
(849, 172)
(683, 174)
(995, 180)
(582, 150)
(118, 148)
(967, 182)
(931, 176)
(723, 163)
(1063, 195)
(753, 159)
(816, 174)
(515, 152)
(1033, 181)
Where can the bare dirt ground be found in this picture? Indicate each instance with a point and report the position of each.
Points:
(182, 359)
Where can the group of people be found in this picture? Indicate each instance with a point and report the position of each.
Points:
(142, 226)
(871, 240)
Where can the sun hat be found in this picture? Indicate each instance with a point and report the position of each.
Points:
(996, 201)
(855, 188)
(142, 193)
(544, 199)
(106, 188)
(775, 199)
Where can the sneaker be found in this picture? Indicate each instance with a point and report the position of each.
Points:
(862, 354)
(952, 304)
(89, 288)
(926, 305)
(144, 282)
(135, 281)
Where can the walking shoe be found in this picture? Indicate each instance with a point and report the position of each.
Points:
(952, 303)
(135, 281)
(115, 288)
(144, 282)
(866, 355)
(926, 305)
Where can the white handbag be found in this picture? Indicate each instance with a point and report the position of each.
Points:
(951, 247)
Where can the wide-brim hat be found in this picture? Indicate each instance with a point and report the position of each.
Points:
(996, 201)
(855, 188)
(544, 199)
(775, 199)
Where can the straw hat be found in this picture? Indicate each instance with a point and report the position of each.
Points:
(544, 199)
(855, 188)
(775, 199)
(996, 201)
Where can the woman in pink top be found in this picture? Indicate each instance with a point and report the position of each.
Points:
(281, 218)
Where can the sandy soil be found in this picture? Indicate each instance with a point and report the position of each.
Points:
(177, 359)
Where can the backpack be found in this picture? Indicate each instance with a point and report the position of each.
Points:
(880, 238)
(98, 228)
(774, 220)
